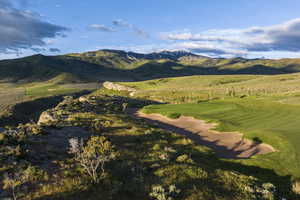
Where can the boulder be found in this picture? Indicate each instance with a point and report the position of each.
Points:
(296, 187)
(132, 93)
(83, 99)
(47, 117)
(117, 87)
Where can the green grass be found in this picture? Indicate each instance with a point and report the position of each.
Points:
(174, 115)
(11, 94)
(273, 123)
(48, 90)
(192, 89)
(261, 107)
(147, 156)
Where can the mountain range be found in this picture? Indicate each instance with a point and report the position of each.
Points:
(116, 65)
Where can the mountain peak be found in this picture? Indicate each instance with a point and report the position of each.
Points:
(165, 54)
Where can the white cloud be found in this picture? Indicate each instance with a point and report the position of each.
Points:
(123, 23)
(281, 37)
(100, 27)
(21, 29)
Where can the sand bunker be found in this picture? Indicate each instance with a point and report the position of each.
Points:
(225, 144)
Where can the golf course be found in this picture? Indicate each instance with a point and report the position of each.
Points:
(262, 108)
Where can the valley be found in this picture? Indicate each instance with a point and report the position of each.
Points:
(172, 119)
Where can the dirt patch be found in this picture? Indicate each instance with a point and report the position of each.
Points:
(225, 144)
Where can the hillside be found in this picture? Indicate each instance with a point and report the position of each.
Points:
(147, 160)
(128, 60)
(118, 65)
(43, 68)
(149, 157)
(178, 63)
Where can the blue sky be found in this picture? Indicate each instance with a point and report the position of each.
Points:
(256, 28)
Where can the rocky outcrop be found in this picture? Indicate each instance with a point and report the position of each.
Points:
(47, 117)
(117, 87)
(83, 99)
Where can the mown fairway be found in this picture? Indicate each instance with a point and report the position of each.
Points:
(273, 123)
(262, 107)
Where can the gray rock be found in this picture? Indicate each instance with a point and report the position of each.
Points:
(83, 99)
(47, 117)
(132, 93)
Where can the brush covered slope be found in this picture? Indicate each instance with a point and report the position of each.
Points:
(179, 63)
(117, 65)
(38, 160)
(43, 68)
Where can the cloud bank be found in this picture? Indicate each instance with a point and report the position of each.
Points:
(281, 37)
(119, 24)
(21, 29)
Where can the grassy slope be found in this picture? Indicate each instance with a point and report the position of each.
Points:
(270, 112)
(11, 94)
(194, 88)
(140, 164)
(123, 66)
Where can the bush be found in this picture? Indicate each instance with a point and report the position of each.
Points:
(264, 192)
(156, 147)
(174, 115)
(184, 159)
(160, 193)
(12, 183)
(2, 138)
(33, 174)
(257, 140)
(93, 156)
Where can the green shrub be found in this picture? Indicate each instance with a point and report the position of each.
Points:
(12, 183)
(160, 193)
(184, 159)
(264, 192)
(174, 115)
(2, 138)
(156, 147)
(33, 174)
(257, 140)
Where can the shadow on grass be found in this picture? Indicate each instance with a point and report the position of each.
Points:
(31, 110)
(132, 175)
(127, 172)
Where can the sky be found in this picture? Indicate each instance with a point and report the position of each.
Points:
(216, 28)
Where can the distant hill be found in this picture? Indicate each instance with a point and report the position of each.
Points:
(128, 60)
(60, 68)
(119, 65)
